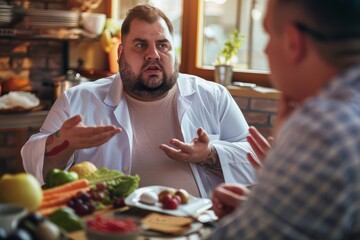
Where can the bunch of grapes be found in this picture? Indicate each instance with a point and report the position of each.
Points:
(118, 202)
(87, 202)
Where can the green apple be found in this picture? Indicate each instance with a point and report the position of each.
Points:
(22, 189)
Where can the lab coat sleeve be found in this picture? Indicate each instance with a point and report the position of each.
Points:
(33, 151)
(227, 130)
(232, 146)
(235, 167)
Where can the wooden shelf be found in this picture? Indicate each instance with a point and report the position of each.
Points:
(30, 35)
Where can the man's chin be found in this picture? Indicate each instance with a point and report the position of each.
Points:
(153, 82)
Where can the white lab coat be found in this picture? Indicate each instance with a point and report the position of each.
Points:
(200, 104)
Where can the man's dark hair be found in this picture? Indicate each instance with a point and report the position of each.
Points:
(334, 25)
(146, 13)
(332, 18)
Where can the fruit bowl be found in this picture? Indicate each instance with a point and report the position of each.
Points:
(112, 228)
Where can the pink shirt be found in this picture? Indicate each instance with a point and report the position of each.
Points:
(155, 123)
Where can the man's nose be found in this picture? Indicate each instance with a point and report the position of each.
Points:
(152, 53)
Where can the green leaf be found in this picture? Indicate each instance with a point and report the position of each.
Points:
(119, 184)
(230, 48)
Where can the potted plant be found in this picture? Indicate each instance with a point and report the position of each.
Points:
(227, 57)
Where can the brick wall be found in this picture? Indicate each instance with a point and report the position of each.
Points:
(259, 112)
(38, 61)
(11, 141)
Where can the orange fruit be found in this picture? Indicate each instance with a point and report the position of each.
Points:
(83, 168)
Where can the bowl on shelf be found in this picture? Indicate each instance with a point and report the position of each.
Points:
(112, 228)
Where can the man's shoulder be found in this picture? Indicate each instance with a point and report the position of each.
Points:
(324, 118)
(194, 78)
(93, 86)
(198, 83)
(88, 91)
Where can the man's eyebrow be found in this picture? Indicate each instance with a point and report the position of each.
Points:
(163, 40)
(139, 40)
(142, 40)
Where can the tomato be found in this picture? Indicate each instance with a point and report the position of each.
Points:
(177, 198)
(169, 202)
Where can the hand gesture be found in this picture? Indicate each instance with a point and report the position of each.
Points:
(227, 197)
(195, 152)
(260, 146)
(74, 135)
(81, 136)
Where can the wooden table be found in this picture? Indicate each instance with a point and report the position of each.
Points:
(80, 235)
(199, 234)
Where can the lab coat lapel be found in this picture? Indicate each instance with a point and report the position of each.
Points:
(116, 98)
(186, 91)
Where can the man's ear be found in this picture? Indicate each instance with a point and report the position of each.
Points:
(295, 43)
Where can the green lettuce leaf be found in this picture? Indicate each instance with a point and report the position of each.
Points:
(119, 184)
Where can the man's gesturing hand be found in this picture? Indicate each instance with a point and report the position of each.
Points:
(195, 152)
(228, 197)
(81, 136)
(73, 135)
(260, 146)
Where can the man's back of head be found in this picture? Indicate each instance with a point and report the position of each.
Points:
(333, 25)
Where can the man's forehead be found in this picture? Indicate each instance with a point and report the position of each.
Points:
(142, 29)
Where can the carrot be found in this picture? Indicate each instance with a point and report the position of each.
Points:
(77, 184)
(70, 192)
(59, 199)
(55, 202)
(49, 210)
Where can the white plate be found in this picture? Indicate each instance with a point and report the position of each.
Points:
(194, 206)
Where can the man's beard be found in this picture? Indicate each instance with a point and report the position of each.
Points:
(134, 85)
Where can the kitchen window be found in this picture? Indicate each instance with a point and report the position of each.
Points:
(202, 26)
(220, 17)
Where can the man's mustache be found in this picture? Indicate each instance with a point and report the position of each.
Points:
(152, 62)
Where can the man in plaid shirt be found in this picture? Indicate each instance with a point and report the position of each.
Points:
(309, 186)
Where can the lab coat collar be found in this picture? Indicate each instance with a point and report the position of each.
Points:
(115, 93)
(186, 87)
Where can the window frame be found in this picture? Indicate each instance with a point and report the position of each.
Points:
(190, 60)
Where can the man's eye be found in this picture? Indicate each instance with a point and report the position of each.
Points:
(163, 46)
(141, 45)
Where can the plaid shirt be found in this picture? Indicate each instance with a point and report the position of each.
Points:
(310, 185)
